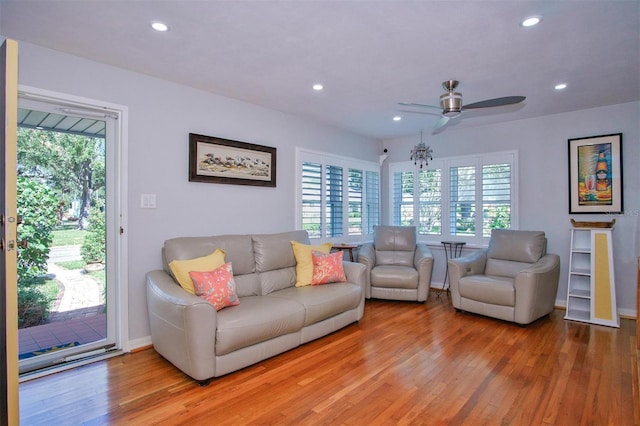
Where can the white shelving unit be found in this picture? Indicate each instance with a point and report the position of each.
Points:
(591, 295)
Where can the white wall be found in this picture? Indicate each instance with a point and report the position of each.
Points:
(542, 144)
(161, 115)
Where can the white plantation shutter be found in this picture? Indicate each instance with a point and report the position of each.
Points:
(355, 201)
(429, 202)
(496, 197)
(334, 209)
(312, 199)
(462, 205)
(403, 191)
(372, 196)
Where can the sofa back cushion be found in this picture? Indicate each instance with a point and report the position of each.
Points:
(511, 251)
(275, 262)
(238, 250)
(395, 245)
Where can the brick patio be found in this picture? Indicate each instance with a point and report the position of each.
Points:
(79, 325)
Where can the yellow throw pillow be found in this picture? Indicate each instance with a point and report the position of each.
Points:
(304, 262)
(181, 268)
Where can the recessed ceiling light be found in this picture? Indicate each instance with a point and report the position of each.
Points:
(159, 26)
(397, 118)
(531, 21)
(318, 87)
(560, 86)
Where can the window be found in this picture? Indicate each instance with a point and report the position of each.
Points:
(337, 196)
(463, 197)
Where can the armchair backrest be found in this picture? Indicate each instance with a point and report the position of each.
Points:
(511, 251)
(394, 245)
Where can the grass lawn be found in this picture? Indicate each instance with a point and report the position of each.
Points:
(68, 237)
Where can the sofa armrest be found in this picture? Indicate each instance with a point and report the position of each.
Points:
(356, 274)
(536, 289)
(471, 264)
(367, 257)
(423, 262)
(183, 326)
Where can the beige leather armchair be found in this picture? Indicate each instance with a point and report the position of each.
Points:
(397, 267)
(514, 279)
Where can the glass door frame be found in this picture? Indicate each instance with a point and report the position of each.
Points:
(116, 251)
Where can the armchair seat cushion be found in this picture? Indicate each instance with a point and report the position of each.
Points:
(488, 289)
(255, 320)
(394, 276)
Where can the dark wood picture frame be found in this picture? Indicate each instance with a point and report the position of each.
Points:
(595, 175)
(218, 160)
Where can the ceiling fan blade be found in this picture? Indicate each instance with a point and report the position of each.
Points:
(418, 105)
(420, 112)
(488, 103)
(440, 123)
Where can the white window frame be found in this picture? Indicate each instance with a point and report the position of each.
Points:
(306, 155)
(445, 164)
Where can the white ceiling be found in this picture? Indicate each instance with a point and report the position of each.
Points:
(369, 55)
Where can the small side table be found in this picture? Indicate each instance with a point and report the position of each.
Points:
(452, 249)
(348, 247)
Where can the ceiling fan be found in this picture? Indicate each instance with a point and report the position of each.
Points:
(451, 105)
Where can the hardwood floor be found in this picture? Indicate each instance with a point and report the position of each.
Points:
(404, 363)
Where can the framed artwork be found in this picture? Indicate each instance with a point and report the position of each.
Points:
(218, 160)
(595, 174)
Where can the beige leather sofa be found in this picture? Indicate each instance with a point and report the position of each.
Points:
(514, 279)
(397, 267)
(273, 315)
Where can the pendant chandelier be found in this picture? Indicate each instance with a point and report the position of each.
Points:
(421, 153)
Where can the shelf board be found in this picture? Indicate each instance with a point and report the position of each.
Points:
(581, 271)
(578, 315)
(583, 294)
(586, 250)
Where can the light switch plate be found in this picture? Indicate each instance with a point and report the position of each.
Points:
(148, 201)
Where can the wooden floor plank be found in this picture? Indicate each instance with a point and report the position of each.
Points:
(403, 363)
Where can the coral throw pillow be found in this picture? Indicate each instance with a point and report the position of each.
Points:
(327, 268)
(304, 264)
(216, 287)
(181, 268)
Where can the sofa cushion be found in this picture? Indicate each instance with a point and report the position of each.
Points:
(273, 251)
(327, 268)
(518, 246)
(238, 250)
(488, 289)
(395, 238)
(254, 320)
(181, 268)
(304, 263)
(394, 276)
(277, 279)
(504, 268)
(322, 301)
(216, 287)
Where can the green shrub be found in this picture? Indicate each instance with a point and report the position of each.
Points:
(34, 301)
(93, 248)
(37, 207)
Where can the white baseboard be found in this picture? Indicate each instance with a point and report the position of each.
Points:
(141, 342)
